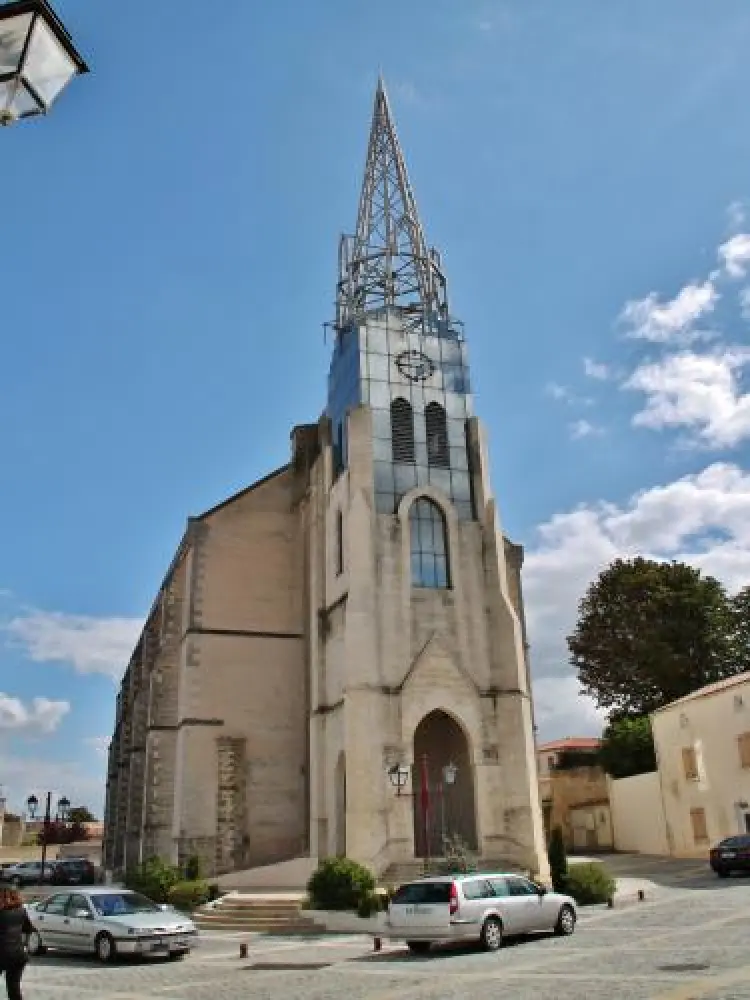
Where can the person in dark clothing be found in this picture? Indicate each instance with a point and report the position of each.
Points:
(14, 930)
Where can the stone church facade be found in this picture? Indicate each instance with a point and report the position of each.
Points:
(336, 660)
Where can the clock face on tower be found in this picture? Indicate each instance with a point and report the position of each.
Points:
(415, 366)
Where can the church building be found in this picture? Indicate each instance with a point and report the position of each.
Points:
(336, 661)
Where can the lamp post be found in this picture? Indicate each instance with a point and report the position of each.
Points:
(61, 814)
(399, 775)
(449, 778)
(37, 59)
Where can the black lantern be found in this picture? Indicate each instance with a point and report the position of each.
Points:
(63, 808)
(32, 804)
(37, 59)
(399, 775)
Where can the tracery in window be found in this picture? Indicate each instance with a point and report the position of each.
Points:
(428, 545)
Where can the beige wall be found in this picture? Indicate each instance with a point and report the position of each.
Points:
(584, 789)
(710, 725)
(638, 814)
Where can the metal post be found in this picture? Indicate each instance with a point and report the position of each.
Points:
(426, 810)
(441, 793)
(45, 831)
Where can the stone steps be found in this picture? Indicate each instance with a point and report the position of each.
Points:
(255, 914)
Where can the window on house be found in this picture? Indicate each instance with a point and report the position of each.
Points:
(437, 436)
(339, 543)
(743, 743)
(402, 431)
(690, 763)
(429, 545)
(551, 762)
(698, 822)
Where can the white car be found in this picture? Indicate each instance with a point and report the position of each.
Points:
(108, 923)
(483, 907)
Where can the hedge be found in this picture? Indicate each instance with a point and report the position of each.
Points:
(340, 884)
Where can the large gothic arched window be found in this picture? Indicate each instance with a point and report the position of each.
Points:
(428, 545)
(437, 436)
(402, 430)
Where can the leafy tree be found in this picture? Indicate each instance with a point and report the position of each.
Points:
(650, 632)
(628, 746)
(81, 814)
(558, 860)
(740, 612)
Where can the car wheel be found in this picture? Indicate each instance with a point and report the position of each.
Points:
(723, 872)
(566, 922)
(492, 934)
(419, 947)
(35, 945)
(175, 956)
(105, 948)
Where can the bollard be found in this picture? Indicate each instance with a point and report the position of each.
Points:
(243, 949)
(641, 895)
(378, 942)
(610, 903)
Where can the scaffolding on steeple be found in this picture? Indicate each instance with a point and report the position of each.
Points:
(386, 266)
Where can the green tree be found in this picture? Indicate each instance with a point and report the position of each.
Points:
(650, 632)
(628, 746)
(740, 612)
(558, 860)
(81, 814)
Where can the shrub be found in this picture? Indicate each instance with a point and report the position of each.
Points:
(339, 884)
(153, 878)
(369, 904)
(189, 895)
(589, 883)
(558, 861)
(193, 869)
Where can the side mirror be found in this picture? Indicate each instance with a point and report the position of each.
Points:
(542, 890)
(164, 906)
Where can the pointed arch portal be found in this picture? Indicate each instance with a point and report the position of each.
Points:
(450, 808)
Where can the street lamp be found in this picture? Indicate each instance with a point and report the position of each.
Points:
(61, 815)
(399, 775)
(37, 59)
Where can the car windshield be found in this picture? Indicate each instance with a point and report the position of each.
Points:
(116, 904)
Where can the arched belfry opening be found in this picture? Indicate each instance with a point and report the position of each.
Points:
(443, 783)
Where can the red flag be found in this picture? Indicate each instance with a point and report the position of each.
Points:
(425, 796)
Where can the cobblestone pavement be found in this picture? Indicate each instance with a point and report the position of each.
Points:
(685, 941)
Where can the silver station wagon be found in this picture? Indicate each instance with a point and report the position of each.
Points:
(108, 923)
(484, 907)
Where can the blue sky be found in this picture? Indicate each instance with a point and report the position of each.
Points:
(169, 260)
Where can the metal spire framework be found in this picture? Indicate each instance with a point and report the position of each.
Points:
(387, 263)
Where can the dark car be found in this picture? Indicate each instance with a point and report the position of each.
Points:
(731, 855)
(73, 871)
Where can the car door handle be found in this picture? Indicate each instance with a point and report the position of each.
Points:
(66, 921)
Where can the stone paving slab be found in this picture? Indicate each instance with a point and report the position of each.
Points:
(687, 944)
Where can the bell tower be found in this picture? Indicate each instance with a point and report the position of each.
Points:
(417, 660)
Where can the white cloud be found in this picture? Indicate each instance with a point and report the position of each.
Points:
(583, 429)
(90, 645)
(672, 321)
(596, 370)
(43, 715)
(702, 519)
(744, 298)
(735, 255)
(557, 391)
(99, 744)
(736, 214)
(699, 392)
